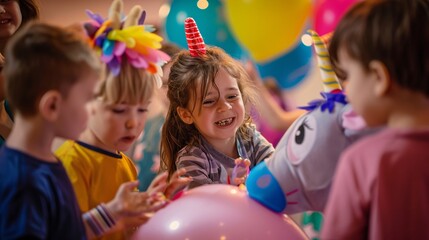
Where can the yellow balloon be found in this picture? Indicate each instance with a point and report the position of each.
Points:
(267, 28)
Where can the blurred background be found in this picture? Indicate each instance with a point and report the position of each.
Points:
(270, 34)
(69, 11)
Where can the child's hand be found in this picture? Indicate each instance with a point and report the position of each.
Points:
(241, 170)
(177, 182)
(156, 191)
(131, 208)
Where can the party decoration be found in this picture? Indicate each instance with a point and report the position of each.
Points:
(327, 14)
(195, 41)
(298, 176)
(267, 29)
(202, 4)
(114, 38)
(211, 22)
(218, 211)
(289, 69)
(330, 81)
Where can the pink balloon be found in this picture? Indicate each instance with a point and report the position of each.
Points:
(218, 211)
(327, 14)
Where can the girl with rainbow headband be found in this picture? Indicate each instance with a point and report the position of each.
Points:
(95, 163)
(208, 128)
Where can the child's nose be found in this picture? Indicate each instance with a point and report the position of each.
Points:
(224, 106)
(131, 122)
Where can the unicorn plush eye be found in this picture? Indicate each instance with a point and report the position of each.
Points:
(302, 139)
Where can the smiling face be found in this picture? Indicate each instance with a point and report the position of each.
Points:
(10, 18)
(115, 127)
(219, 114)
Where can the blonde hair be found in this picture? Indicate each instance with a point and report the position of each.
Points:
(132, 85)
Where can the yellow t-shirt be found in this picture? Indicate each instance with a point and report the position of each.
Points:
(95, 174)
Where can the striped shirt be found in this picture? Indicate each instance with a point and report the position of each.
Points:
(207, 166)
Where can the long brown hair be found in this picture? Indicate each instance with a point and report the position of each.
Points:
(186, 75)
(29, 10)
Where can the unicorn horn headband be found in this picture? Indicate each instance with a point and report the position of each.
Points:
(116, 38)
(195, 41)
(330, 81)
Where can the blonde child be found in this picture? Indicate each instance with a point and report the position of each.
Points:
(208, 125)
(38, 201)
(95, 162)
(380, 190)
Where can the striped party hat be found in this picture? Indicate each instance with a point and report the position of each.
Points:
(330, 81)
(193, 37)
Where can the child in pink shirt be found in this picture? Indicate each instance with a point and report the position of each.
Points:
(381, 186)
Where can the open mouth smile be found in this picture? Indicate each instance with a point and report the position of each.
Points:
(225, 122)
(4, 21)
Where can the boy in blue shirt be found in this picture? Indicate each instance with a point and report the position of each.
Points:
(37, 199)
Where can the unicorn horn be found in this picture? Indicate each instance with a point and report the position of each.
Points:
(330, 81)
(193, 37)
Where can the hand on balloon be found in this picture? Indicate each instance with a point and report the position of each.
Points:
(131, 208)
(241, 170)
(177, 183)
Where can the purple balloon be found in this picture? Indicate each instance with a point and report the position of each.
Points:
(327, 14)
(218, 211)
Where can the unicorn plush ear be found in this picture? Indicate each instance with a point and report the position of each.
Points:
(133, 16)
(115, 13)
(330, 81)
(193, 37)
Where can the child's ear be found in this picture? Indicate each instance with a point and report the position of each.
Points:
(381, 75)
(49, 105)
(185, 115)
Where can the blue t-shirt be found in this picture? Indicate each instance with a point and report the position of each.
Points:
(37, 200)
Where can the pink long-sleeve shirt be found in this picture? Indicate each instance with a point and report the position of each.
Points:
(381, 189)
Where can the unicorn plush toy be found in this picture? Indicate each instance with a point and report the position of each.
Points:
(298, 176)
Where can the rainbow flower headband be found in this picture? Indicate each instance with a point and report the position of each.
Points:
(114, 38)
